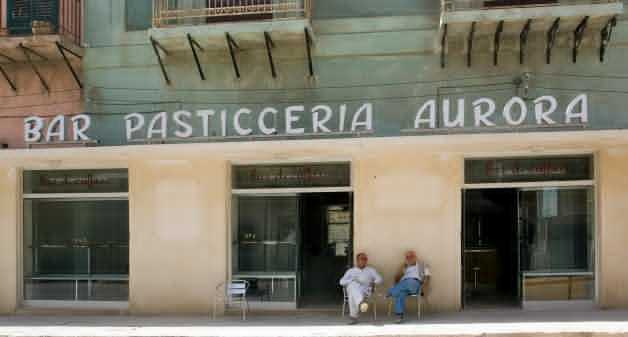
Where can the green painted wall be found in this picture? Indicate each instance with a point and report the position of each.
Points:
(384, 53)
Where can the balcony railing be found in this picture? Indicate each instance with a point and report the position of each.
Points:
(469, 5)
(44, 17)
(168, 13)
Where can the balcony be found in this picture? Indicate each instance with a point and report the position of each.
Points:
(460, 11)
(244, 20)
(39, 31)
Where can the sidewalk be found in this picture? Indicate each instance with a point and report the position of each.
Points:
(487, 323)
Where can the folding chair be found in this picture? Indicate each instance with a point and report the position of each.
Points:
(232, 293)
(371, 299)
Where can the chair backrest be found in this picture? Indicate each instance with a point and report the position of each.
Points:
(236, 288)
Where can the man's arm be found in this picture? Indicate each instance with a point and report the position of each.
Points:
(347, 278)
(377, 278)
(399, 274)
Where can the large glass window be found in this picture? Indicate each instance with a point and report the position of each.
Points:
(76, 247)
(557, 236)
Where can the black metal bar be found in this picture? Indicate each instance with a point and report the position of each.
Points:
(551, 40)
(69, 50)
(232, 47)
(606, 35)
(10, 59)
(523, 40)
(33, 52)
(443, 47)
(26, 51)
(308, 46)
(497, 41)
(156, 47)
(578, 34)
(269, 46)
(67, 62)
(470, 43)
(193, 46)
(6, 77)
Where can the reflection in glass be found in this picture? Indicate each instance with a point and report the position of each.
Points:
(557, 250)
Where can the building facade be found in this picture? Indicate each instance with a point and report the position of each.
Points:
(272, 140)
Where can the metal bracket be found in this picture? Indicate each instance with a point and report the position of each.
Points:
(606, 35)
(156, 48)
(233, 46)
(27, 53)
(269, 46)
(308, 44)
(470, 43)
(8, 58)
(497, 41)
(443, 47)
(62, 51)
(578, 34)
(194, 45)
(6, 77)
(523, 40)
(551, 40)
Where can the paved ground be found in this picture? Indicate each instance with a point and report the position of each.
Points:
(303, 324)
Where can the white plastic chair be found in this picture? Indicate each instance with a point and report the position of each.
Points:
(371, 299)
(232, 293)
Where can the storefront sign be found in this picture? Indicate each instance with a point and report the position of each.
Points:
(504, 170)
(311, 120)
(291, 176)
(76, 181)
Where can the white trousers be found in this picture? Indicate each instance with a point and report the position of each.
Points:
(356, 294)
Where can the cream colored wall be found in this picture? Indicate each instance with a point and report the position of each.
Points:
(613, 227)
(178, 235)
(8, 240)
(411, 200)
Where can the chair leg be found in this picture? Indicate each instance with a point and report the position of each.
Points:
(389, 307)
(344, 303)
(419, 306)
(375, 309)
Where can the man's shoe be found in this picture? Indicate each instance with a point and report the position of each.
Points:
(399, 319)
(364, 307)
(353, 321)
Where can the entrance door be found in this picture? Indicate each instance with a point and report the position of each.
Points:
(326, 227)
(490, 248)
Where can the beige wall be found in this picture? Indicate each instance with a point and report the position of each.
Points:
(8, 240)
(178, 237)
(411, 200)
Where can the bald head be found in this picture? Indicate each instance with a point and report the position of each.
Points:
(361, 260)
(411, 257)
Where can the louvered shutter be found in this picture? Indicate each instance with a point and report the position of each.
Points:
(22, 13)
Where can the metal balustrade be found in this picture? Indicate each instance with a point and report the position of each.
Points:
(469, 5)
(168, 13)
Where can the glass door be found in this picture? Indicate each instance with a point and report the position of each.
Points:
(557, 238)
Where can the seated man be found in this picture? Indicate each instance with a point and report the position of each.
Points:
(358, 282)
(408, 281)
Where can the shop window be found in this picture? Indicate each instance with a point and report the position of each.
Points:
(76, 235)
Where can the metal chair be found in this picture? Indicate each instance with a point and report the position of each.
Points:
(420, 297)
(371, 299)
(232, 293)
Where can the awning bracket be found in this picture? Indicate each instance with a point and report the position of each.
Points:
(578, 34)
(470, 43)
(269, 47)
(497, 42)
(9, 81)
(308, 45)
(156, 48)
(233, 46)
(8, 58)
(606, 35)
(27, 53)
(62, 51)
(523, 40)
(195, 45)
(551, 40)
(443, 47)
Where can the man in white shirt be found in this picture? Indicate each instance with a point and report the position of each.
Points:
(358, 282)
(408, 281)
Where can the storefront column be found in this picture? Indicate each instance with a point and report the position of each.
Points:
(8, 240)
(411, 200)
(178, 235)
(613, 229)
